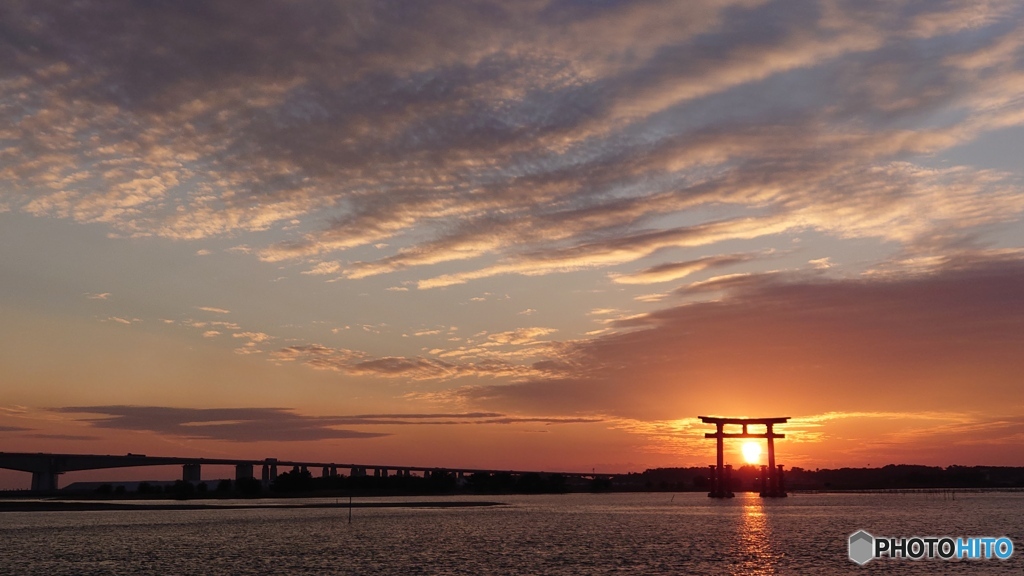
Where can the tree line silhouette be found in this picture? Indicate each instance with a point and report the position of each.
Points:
(890, 477)
(744, 478)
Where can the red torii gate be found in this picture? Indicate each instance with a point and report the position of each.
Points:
(772, 485)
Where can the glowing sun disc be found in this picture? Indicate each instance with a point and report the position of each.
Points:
(751, 452)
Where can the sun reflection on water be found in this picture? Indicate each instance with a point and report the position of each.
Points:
(760, 550)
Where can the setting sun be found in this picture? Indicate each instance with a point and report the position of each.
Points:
(751, 452)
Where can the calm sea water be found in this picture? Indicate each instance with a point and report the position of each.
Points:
(648, 533)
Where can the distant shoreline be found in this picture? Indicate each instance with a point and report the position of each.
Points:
(60, 506)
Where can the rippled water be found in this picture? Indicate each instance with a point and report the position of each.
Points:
(566, 534)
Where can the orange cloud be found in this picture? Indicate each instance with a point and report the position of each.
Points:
(800, 345)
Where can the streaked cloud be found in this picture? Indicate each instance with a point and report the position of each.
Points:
(478, 362)
(675, 270)
(213, 310)
(323, 269)
(231, 424)
(274, 424)
(521, 336)
(71, 437)
(252, 336)
(856, 439)
(126, 321)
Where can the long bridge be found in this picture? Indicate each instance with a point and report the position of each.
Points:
(45, 468)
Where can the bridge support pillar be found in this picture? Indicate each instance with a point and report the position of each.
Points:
(243, 472)
(191, 472)
(269, 472)
(334, 471)
(44, 481)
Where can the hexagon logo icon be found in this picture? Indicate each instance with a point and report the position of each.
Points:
(861, 547)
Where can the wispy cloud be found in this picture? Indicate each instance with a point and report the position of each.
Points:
(72, 437)
(675, 270)
(277, 424)
(231, 424)
(213, 310)
(253, 336)
(120, 320)
(407, 368)
(856, 438)
(324, 268)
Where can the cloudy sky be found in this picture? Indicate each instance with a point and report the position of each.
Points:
(541, 234)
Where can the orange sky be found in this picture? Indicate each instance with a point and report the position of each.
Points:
(538, 235)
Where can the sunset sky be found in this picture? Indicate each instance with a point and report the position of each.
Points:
(542, 234)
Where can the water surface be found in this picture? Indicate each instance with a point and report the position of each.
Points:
(650, 533)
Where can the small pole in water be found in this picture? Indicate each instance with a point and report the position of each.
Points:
(350, 509)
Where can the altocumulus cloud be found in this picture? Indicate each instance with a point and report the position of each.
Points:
(516, 138)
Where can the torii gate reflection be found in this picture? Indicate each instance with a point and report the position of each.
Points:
(772, 485)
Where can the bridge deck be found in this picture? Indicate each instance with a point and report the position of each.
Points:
(59, 463)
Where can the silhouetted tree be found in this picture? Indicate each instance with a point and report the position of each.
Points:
(600, 484)
(294, 481)
(248, 487)
(182, 489)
